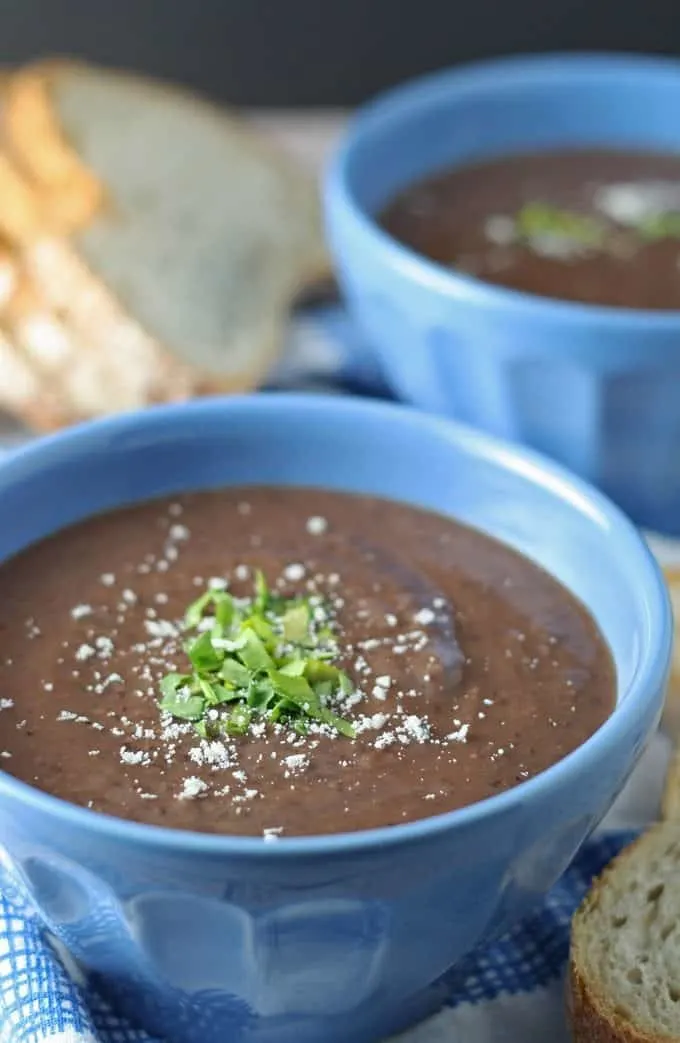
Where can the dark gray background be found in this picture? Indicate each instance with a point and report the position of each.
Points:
(321, 52)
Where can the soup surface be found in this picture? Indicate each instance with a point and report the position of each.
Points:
(384, 664)
(600, 227)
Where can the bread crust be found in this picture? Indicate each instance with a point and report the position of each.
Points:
(592, 1018)
(671, 713)
(592, 1021)
(72, 193)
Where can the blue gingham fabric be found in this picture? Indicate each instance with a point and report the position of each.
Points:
(509, 992)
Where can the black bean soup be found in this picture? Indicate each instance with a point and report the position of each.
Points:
(595, 226)
(276, 662)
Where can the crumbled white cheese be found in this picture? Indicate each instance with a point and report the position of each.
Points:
(104, 646)
(296, 761)
(131, 756)
(499, 229)
(460, 735)
(160, 628)
(193, 787)
(416, 728)
(316, 525)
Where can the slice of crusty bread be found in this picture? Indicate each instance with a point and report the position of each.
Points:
(624, 974)
(206, 236)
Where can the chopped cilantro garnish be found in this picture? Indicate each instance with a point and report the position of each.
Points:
(541, 219)
(262, 657)
(536, 220)
(661, 226)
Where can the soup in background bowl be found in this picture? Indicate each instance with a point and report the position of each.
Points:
(230, 925)
(590, 226)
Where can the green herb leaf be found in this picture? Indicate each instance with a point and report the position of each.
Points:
(224, 610)
(215, 693)
(207, 691)
(203, 655)
(661, 226)
(323, 690)
(296, 688)
(194, 614)
(171, 682)
(238, 721)
(235, 673)
(183, 705)
(317, 670)
(261, 694)
(339, 723)
(263, 629)
(253, 654)
(296, 624)
(294, 668)
(226, 695)
(261, 591)
(347, 686)
(540, 219)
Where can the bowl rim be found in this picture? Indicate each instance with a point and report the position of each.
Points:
(645, 686)
(489, 75)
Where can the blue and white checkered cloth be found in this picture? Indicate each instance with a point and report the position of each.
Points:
(508, 993)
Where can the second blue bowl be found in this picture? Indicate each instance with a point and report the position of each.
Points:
(597, 388)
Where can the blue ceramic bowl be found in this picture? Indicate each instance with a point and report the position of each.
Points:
(207, 939)
(597, 388)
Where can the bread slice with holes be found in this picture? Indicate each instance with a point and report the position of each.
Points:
(624, 974)
(203, 238)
